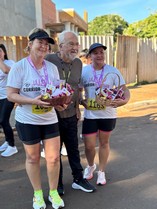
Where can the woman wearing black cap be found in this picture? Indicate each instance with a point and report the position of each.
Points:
(99, 120)
(36, 121)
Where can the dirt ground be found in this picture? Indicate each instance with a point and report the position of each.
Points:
(143, 101)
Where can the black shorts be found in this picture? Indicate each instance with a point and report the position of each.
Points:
(32, 134)
(91, 126)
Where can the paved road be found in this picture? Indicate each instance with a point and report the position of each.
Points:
(131, 171)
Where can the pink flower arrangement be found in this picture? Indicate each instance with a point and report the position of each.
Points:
(104, 96)
(58, 94)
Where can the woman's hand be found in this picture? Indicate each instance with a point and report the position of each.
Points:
(37, 101)
(117, 102)
(120, 102)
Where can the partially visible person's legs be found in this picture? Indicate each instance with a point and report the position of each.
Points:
(5, 111)
(64, 150)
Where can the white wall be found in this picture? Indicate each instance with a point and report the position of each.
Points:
(17, 17)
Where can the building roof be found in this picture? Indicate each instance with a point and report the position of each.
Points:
(69, 15)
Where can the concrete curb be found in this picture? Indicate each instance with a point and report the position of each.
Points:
(139, 104)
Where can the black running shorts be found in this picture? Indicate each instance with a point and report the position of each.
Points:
(93, 125)
(33, 134)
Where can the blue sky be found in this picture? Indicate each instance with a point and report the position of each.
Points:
(130, 10)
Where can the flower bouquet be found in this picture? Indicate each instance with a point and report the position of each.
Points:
(59, 94)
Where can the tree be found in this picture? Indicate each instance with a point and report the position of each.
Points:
(146, 28)
(107, 25)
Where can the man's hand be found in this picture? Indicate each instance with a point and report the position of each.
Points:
(61, 107)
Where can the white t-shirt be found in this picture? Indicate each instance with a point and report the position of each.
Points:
(89, 84)
(3, 79)
(25, 78)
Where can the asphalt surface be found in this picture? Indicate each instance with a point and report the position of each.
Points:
(131, 171)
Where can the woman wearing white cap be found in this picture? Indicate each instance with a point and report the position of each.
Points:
(99, 120)
(36, 121)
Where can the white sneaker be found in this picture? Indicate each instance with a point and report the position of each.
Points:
(64, 151)
(4, 146)
(9, 151)
(42, 153)
(101, 180)
(88, 172)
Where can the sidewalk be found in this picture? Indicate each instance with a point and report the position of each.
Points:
(131, 172)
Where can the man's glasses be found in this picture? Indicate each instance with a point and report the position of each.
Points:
(72, 44)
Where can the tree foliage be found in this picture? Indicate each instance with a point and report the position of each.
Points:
(115, 24)
(107, 25)
(146, 28)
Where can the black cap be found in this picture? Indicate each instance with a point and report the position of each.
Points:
(96, 45)
(41, 35)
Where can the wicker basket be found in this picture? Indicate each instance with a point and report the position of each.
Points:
(102, 100)
(59, 100)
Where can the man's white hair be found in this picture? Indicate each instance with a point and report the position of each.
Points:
(61, 37)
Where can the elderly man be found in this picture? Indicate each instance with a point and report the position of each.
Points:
(70, 69)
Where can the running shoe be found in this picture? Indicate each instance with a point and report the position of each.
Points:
(9, 151)
(4, 146)
(88, 172)
(83, 185)
(101, 180)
